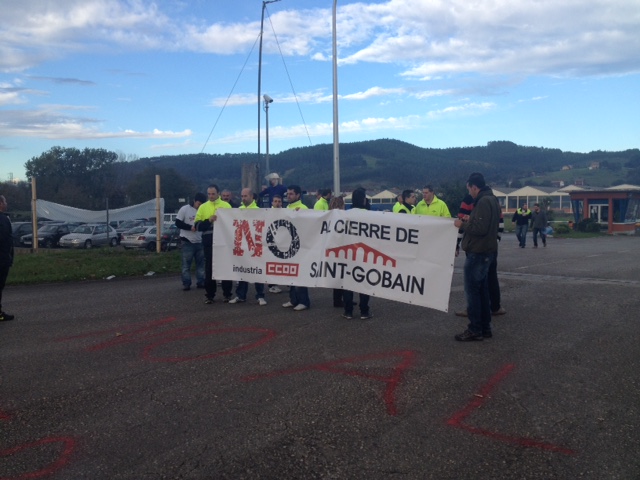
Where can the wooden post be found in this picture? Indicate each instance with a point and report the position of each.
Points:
(159, 216)
(34, 215)
(250, 179)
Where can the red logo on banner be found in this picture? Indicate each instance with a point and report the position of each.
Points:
(370, 255)
(283, 269)
(254, 243)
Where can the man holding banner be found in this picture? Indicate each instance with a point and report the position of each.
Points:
(298, 296)
(248, 202)
(205, 218)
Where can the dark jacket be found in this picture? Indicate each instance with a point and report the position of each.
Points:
(481, 230)
(539, 220)
(521, 217)
(6, 241)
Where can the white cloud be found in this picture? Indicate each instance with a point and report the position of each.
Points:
(429, 37)
(52, 122)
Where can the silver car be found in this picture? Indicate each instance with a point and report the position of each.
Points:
(90, 235)
(140, 237)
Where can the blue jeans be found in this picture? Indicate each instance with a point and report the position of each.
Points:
(192, 252)
(243, 288)
(476, 290)
(299, 295)
(521, 233)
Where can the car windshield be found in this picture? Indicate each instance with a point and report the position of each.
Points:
(83, 229)
(136, 230)
(128, 224)
(48, 229)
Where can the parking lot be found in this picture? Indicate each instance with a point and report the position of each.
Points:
(136, 379)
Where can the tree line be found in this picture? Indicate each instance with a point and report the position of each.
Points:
(91, 178)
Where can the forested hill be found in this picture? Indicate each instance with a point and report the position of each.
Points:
(387, 163)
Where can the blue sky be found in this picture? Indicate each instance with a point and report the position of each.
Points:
(146, 78)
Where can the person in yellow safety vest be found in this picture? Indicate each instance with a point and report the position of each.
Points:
(406, 203)
(248, 203)
(298, 296)
(323, 201)
(205, 218)
(431, 205)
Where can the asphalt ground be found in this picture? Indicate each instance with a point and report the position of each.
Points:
(136, 379)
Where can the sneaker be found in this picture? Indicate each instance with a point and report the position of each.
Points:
(5, 317)
(208, 300)
(287, 305)
(227, 299)
(468, 336)
(262, 302)
(274, 289)
(300, 307)
(487, 334)
(366, 316)
(347, 316)
(462, 313)
(500, 311)
(236, 300)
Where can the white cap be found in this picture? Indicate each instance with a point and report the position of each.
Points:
(272, 175)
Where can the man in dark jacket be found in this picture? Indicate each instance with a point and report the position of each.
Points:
(480, 242)
(6, 253)
(539, 225)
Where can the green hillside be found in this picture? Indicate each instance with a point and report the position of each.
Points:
(387, 163)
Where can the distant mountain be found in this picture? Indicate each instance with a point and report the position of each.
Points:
(388, 163)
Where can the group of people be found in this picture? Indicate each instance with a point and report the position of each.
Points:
(196, 223)
(523, 218)
(479, 220)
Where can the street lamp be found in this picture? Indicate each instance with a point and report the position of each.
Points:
(267, 101)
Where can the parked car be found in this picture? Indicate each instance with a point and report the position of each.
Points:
(49, 234)
(129, 224)
(140, 237)
(170, 237)
(90, 235)
(20, 229)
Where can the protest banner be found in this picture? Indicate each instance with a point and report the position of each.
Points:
(407, 258)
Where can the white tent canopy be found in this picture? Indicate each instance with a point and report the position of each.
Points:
(63, 213)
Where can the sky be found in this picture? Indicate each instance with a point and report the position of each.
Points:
(144, 78)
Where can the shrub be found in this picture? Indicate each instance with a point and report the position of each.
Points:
(562, 229)
(588, 225)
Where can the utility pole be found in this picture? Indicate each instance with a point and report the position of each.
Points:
(264, 6)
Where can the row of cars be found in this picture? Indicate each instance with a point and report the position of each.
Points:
(129, 234)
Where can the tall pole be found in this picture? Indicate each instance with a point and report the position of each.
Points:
(267, 101)
(264, 6)
(336, 140)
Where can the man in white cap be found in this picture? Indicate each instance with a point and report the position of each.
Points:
(275, 188)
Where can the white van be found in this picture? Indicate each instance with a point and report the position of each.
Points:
(170, 218)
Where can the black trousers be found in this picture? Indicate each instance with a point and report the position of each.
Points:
(4, 273)
(210, 285)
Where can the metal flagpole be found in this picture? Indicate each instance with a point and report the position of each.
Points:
(336, 140)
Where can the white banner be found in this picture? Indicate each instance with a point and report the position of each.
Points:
(407, 258)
